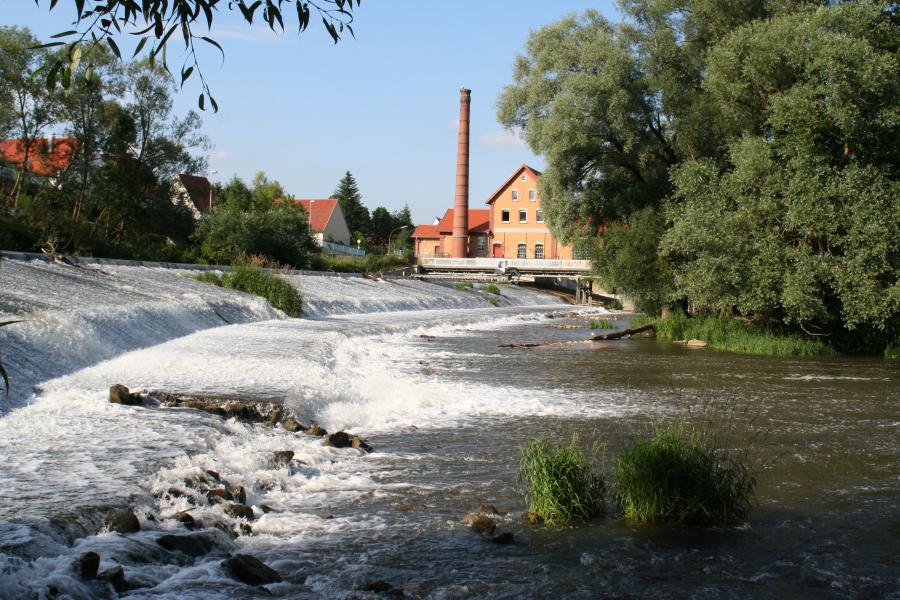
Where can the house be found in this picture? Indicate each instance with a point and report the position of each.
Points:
(326, 221)
(195, 192)
(47, 157)
(512, 227)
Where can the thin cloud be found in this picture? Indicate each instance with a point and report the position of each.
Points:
(502, 139)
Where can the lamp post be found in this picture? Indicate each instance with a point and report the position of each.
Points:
(392, 233)
(211, 173)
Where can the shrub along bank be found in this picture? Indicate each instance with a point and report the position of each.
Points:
(252, 279)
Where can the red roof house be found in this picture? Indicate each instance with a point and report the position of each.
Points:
(46, 157)
(326, 219)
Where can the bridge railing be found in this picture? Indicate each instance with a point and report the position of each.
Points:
(522, 264)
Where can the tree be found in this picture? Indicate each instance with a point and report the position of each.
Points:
(29, 107)
(348, 196)
(382, 225)
(234, 194)
(111, 21)
(265, 192)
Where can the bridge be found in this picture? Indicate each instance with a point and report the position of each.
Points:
(572, 274)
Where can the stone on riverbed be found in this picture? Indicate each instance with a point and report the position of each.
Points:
(342, 439)
(281, 458)
(119, 394)
(185, 519)
(316, 430)
(192, 545)
(115, 576)
(88, 563)
(122, 521)
(239, 511)
(250, 570)
(479, 523)
(532, 518)
(219, 495)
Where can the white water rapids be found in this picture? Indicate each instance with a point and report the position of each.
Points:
(66, 452)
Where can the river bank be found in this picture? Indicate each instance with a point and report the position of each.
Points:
(446, 410)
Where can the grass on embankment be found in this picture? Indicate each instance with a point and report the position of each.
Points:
(601, 324)
(367, 264)
(733, 335)
(253, 280)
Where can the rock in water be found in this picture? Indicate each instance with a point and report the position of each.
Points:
(88, 563)
(281, 458)
(696, 344)
(487, 509)
(185, 519)
(122, 521)
(341, 439)
(192, 545)
(316, 431)
(359, 443)
(292, 424)
(480, 523)
(115, 576)
(250, 570)
(119, 394)
(219, 495)
(504, 538)
(532, 518)
(239, 511)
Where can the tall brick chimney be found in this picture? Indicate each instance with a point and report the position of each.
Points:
(459, 248)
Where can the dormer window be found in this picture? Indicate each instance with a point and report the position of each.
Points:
(515, 195)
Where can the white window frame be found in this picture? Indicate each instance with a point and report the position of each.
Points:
(507, 211)
(523, 215)
(539, 254)
(515, 195)
(532, 195)
(522, 251)
(539, 216)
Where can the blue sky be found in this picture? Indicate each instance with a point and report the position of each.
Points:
(383, 106)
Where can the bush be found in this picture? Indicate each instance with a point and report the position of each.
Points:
(462, 285)
(371, 263)
(681, 476)
(253, 280)
(560, 486)
(491, 289)
(601, 324)
(208, 277)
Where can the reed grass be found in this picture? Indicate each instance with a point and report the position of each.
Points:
(249, 277)
(462, 285)
(680, 474)
(371, 263)
(491, 289)
(208, 277)
(601, 324)
(560, 486)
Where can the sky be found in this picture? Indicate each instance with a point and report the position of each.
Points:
(383, 106)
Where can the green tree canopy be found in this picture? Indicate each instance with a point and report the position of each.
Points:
(356, 213)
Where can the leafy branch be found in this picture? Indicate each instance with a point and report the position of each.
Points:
(103, 22)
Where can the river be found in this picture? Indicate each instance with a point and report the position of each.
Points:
(417, 369)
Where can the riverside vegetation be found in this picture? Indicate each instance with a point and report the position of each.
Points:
(250, 278)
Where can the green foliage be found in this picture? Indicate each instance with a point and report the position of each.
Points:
(208, 277)
(462, 285)
(370, 263)
(559, 484)
(3, 373)
(252, 279)
(601, 324)
(490, 289)
(279, 233)
(680, 475)
(734, 335)
(494, 301)
(628, 261)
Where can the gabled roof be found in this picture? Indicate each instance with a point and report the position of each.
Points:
(319, 211)
(198, 189)
(426, 231)
(533, 172)
(48, 157)
(479, 221)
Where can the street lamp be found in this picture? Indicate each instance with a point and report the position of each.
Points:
(392, 233)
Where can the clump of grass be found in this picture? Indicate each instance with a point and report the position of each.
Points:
(493, 301)
(735, 335)
(253, 280)
(559, 484)
(682, 475)
(601, 324)
(462, 285)
(208, 277)
(371, 263)
(491, 289)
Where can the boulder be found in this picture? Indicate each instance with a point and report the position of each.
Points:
(88, 563)
(281, 458)
(192, 545)
(479, 523)
(487, 509)
(185, 519)
(122, 521)
(532, 518)
(250, 570)
(316, 431)
(292, 424)
(115, 576)
(119, 394)
(379, 586)
(696, 344)
(504, 538)
(218, 495)
(360, 444)
(265, 508)
(239, 511)
(341, 439)
(241, 495)
(275, 417)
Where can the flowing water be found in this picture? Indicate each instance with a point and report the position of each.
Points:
(416, 368)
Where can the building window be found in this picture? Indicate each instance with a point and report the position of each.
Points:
(504, 215)
(515, 195)
(539, 251)
(481, 245)
(539, 216)
(523, 216)
(521, 252)
(524, 177)
(532, 195)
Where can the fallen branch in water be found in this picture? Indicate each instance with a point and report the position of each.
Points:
(620, 334)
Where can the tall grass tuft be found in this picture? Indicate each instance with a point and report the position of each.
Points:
(253, 280)
(491, 289)
(683, 475)
(208, 277)
(559, 484)
(462, 285)
(371, 263)
(601, 324)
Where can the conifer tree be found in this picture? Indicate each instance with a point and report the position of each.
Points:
(357, 215)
